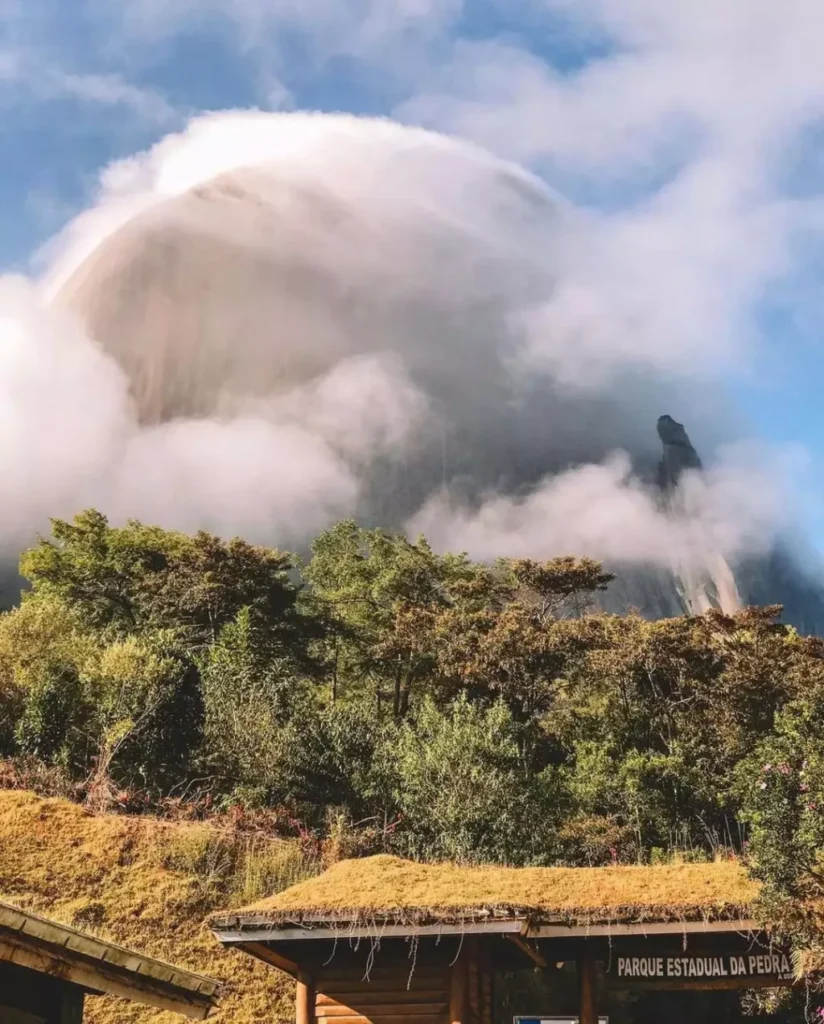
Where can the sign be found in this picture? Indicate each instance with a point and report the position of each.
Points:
(701, 967)
(554, 1020)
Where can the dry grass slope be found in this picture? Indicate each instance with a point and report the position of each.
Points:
(107, 875)
(381, 887)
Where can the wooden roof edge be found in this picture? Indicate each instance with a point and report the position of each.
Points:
(344, 921)
(709, 926)
(268, 932)
(35, 941)
(357, 915)
(261, 932)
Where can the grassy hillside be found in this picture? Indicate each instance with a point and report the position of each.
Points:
(147, 884)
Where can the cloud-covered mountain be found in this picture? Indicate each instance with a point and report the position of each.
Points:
(271, 321)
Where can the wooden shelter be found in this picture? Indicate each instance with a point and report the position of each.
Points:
(386, 941)
(47, 969)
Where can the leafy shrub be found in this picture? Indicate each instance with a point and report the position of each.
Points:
(465, 792)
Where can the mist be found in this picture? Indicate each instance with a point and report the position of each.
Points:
(271, 321)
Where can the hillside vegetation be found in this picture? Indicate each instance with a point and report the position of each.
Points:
(142, 882)
(385, 698)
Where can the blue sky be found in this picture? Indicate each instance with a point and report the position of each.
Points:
(693, 133)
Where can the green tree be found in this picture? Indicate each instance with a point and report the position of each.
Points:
(250, 697)
(148, 713)
(142, 577)
(332, 762)
(149, 608)
(667, 709)
(375, 588)
(99, 570)
(781, 786)
(44, 651)
(117, 710)
(464, 791)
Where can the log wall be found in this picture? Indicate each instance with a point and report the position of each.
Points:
(459, 993)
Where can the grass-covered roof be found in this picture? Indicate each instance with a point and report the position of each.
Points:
(387, 889)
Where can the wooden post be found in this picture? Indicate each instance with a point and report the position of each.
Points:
(305, 998)
(486, 986)
(459, 991)
(587, 989)
(487, 1005)
(473, 974)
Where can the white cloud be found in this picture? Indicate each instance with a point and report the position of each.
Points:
(282, 40)
(366, 406)
(355, 27)
(374, 163)
(732, 511)
(670, 283)
(740, 74)
(679, 125)
(69, 439)
(459, 285)
(604, 511)
(108, 90)
(40, 78)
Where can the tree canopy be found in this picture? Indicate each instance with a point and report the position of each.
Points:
(436, 706)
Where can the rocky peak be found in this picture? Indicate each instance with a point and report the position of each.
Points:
(679, 454)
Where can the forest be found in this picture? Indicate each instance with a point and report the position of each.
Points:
(380, 696)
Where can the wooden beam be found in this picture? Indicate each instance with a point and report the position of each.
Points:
(343, 989)
(339, 972)
(556, 931)
(96, 977)
(40, 934)
(707, 985)
(397, 1018)
(385, 1009)
(487, 1006)
(232, 937)
(304, 998)
(587, 989)
(269, 956)
(525, 947)
(473, 975)
(508, 926)
(365, 995)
